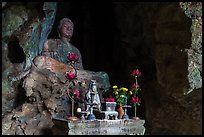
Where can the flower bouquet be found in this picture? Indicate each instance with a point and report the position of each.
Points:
(121, 95)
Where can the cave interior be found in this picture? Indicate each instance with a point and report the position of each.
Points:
(118, 37)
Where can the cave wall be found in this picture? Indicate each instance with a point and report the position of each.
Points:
(155, 37)
(25, 27)
(193, 10)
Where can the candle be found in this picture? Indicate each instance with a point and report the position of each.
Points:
(78, 109)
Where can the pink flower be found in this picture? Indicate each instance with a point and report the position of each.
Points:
(135, 86)
(136, 72)
(111, 99)
(70, 75)
(135, 100)
(76, 92)
(72, 57)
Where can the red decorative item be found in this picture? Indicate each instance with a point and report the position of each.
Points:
(76, 93)
(136, 72)
(111, 99)
(72, 57)
(135, 100)
(135, 86)
(70, 75)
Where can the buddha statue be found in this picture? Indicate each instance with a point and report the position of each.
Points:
(55, 59)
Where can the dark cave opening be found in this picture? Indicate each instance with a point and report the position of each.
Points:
(15, 51)
(20, 96)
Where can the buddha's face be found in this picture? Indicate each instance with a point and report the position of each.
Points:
(66, 30)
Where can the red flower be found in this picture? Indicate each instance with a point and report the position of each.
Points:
(135, 86)
(136, 72)
(135, 99)
(70, 75)
(72, 57)
(76, 93)
(111, 99)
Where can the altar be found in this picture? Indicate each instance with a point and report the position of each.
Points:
(98, 127)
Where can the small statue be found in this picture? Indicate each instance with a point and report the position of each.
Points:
(96, 98)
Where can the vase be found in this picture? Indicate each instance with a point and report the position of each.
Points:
(120, 112)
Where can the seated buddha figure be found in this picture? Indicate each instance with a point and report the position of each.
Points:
(55, 58)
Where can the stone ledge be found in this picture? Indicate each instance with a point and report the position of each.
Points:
(100, 127)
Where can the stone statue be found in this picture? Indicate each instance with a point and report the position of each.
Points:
(54, 59)
(55, 52)
(59, 48)
(96, 97)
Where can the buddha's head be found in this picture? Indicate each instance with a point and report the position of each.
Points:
(65, 28)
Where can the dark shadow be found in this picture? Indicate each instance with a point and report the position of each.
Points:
(15, 51)
(20, 97)
(47, 131)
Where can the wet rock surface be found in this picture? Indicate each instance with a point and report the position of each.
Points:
(167, 48)
(25, 27)
(46, 97)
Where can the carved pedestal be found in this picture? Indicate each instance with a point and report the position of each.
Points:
(108, 109)
(99, 127)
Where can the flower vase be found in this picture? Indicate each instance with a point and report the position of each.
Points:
(120, 112)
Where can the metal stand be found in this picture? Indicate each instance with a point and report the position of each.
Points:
(72, 117)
